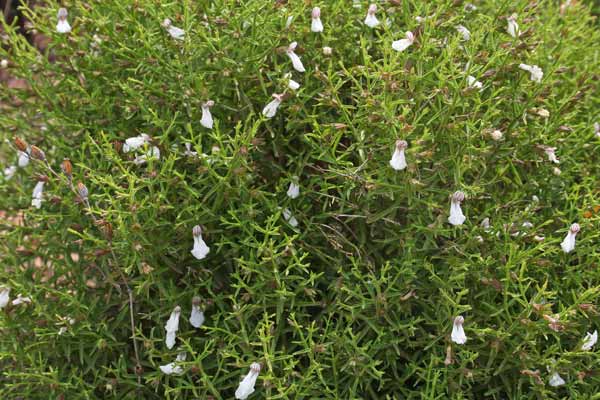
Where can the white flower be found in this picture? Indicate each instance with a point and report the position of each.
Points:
(21, 300)
(135, 142)
(472, 82)
(550, 152)
(153, 152)
(513, 27)
(4, 296)
(327, 50)
(207, 120)
(371, 20)
(174, 368)
(568, 244)
(316, 25)
(294, 189)
(246, 387)
(38, 193)
(456, 215)
(188, 150)
(597, 129)
(466, 35)
(589, 341)
(296, 62)
(271, 109)
(22, 159)
(288, 21)
(458, 333)
(402, 44)
(200, 249)
(496, 134)
(287, 215)
(556, 380)
(485, 224)
(4, 63)
(398, 161)
(172, 327)
(535, 73)
(9, 172)
(175, 32)
(197, 316)
(63, 25)
(292, 84)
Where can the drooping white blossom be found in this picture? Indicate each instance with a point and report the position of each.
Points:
(292, 84)
(153, 152)
(513, 27)
(271, 109)
(458, 335)
(466, 34)
(472, 82)
(551, 153)
(589, 341)
(175, 32)
(316, 25)
(200, 249)
(21, 300)
(246, 386)
(456, 215)
(9, 172)
(4, 296)
(134, 143)
(371, 20)
(294, 189)
(63, 25)
(197, 315)
(296, 62)
(172, 327)
(535, 73)
(398, 160)
(287, 215)
(188, 150)
(568, 244)
(37, 195)
(174, 368)
(556, 380)
(207, 119)
(403, 44)
(22, 159)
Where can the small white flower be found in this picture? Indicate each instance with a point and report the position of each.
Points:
(550, 152)
(175, 32)
(188, 150)
(371, 20)
(287, 215)
(472, 82)
(403, 44)
(207, 119)
(556, 380)
(568, 244)
(527, 225)
(292, 84)
(4, 296)
(296, 62)
(597, 129)
(456, 215)
(246, 387)
(9, 172)
(197, 316)
(135, 142)
(485, 224)
(316, 25)
(63, 25)
(153, 152)
(294, 189)
(466, 35)
(174, 367)
(398, 160)
(513, 27)
(172, 327)
(556, 171)
(4, 63)
(200, 249)
(327, 51)
(37, 195)
(496, 135)
(535, 73)
(458, 333)
(22, 159)
(271, 109)
(21, 300)
(589, 341)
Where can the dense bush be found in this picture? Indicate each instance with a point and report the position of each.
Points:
(356, 301)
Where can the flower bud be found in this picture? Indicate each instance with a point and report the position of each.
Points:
(67, 168)
(37, 153)
(20, 143)
(82, 190)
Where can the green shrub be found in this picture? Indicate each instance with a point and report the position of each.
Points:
(357, 300)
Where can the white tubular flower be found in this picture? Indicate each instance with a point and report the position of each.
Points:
(153, 152)
(513, 28)
(4, 296)
(172, 327)
(296, 62)
(550, 152)
(207, 119)
(472, 82)
(589, 341)
(292, 84)
(9, 172)
(173, 368)
(175, 32)
(287, 215)
(458, 333)
(200, 249)
(535, 73)
(271, 109)
(134, 143)
(371, 20)
(316, 25)
(568, 244)
(403, 44)
(294, 189)
(21, 300)
(466, 35)
(398, 161)
(456, 215)
(246, 387)
(37, 195)
(63, 25)
(197, 316)
(22, 159)
(556, 380)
